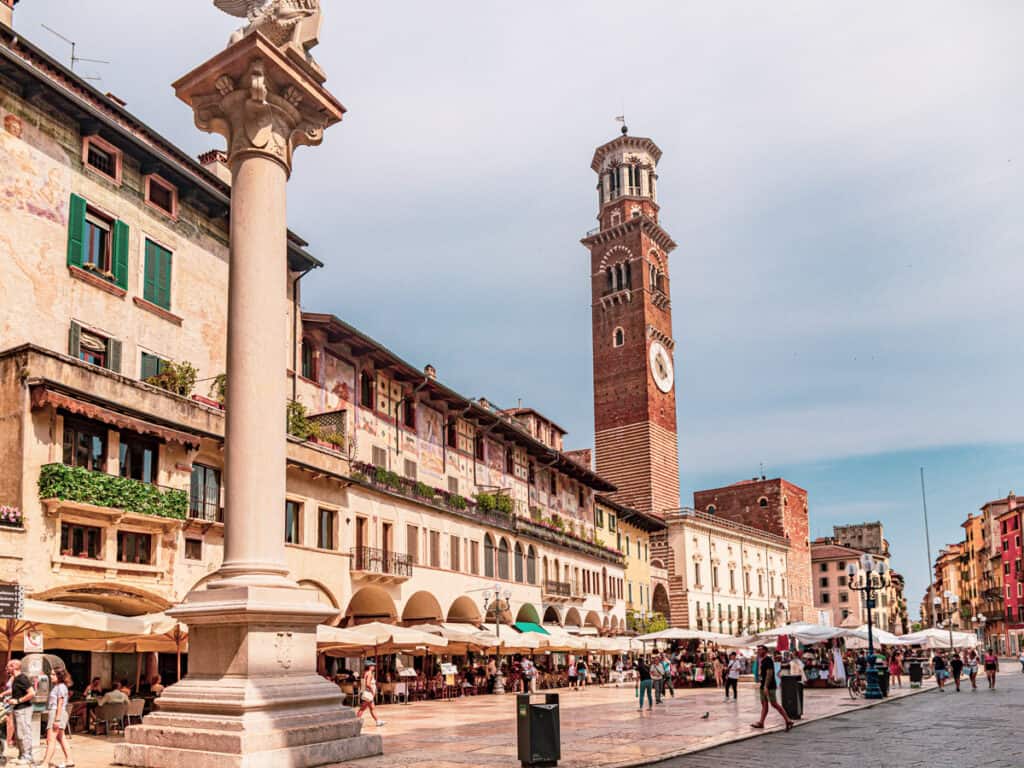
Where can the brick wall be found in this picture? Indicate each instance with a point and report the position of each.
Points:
(784, 513)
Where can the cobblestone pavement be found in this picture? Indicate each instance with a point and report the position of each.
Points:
(970, 729)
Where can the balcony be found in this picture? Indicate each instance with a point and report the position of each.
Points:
(59, 484)
(377, 565)
(557, 591)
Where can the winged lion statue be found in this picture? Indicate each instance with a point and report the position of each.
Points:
(283, 22)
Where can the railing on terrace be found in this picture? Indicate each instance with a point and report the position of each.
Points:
(373, 560)
(209, 511)
(561, 588)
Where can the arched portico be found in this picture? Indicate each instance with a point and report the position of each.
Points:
(464, 610)
(422, 608)
(528, 613)
(370, 604)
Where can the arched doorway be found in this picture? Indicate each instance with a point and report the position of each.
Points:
(323, 595)
(551, 616)
(422, 608)
(370, 604)
(593, 620)
(528, 613)
(659, 602)
(106, 597)
(572, 618)
(464, 610)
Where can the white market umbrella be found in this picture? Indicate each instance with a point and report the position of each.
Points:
(382, 638)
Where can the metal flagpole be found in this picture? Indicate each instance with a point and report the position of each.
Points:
(928, 543)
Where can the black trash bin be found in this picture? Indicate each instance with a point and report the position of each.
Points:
(883, 678)
(916, 673)
(539, 731)
(793, 696)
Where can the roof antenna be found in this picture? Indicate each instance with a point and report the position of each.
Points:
(75, 59)
(762, 471)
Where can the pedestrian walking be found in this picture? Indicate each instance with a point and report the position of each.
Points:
(570, 672)
(972, 668)
(1021, 659)
(940, 669)
(22, 693)
(644, 683)
(956, 666)
(896, 668)
(717, 666)
(581, 673)
(657, 679)
(991, 667)
(57, 717)
(666, 681)
(768, 689)
(492, 674)
(529, 675)
(732, 676)
(369, 692)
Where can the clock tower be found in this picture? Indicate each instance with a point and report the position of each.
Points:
(636, 444)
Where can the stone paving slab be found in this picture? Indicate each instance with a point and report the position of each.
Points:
(601, 728)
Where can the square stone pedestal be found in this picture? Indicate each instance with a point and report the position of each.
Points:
(252, 698)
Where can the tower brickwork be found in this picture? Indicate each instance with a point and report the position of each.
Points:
(636, 444)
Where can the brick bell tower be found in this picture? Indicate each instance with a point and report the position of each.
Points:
(636, 444)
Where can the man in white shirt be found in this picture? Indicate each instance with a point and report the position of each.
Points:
(732, 677)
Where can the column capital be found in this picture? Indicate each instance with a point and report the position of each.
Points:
(264, 100)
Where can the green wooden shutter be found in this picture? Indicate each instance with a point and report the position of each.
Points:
(76, 230)
(149, 273)
(114, 355)
(163, 280)
(74, 339)
(120, 254)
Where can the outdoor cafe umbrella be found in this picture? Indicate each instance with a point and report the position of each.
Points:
(164, 635)
(67, 626)
(939, 638)
(382, 638)
(858, 637)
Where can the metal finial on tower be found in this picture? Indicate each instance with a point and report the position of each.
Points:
(622, 119)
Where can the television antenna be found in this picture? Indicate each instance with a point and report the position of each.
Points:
(75, 58)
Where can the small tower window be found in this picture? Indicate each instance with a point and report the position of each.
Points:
(711, 509)
(619, 338)
(611, 279)
(613, 183)
(762, 502)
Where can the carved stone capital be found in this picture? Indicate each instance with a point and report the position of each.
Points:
(259, 100)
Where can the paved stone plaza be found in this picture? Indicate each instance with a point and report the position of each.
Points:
(600, 727)
(953, 730)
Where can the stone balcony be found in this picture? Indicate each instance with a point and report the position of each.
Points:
(378, 566)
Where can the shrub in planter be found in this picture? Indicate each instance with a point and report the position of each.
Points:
(503, 503)
(10, 516)
(359, 477)
(457, 502)
(78, 484)
(177, 378)
(423, 490)
(485, 502)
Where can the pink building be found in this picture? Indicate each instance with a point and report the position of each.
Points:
(1010, 525)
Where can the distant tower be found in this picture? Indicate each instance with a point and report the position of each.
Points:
(636, 444)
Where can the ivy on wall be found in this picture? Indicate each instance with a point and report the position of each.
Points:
(59, 481)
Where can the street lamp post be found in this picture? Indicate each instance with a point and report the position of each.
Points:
(498, 595)
(979, 619)
(953, 601)
(870, 579)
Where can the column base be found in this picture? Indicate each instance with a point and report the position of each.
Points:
(252, 698)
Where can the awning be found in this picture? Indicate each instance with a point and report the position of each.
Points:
(529, 626)
(41, 396)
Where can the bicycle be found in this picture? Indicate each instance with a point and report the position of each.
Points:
(855, 686)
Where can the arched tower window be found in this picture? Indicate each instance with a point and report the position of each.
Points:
(619, 338)
(611, 279)
(627, 277)
(762, 502)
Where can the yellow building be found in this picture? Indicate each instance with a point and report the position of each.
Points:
(629, 531)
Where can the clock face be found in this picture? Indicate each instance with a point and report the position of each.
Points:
(661, 367)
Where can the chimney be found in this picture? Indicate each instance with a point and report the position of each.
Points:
(430, 371)
(215, 161)
(7, 13)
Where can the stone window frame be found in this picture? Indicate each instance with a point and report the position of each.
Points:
(108, 148)
(618, 337)
(151, 179)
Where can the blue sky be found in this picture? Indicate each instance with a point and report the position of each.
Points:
(843, 180)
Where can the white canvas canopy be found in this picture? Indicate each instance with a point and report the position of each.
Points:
(858, 637)
(679, 633)
(375, 636)
(69, 627)
(806, 633)
(940, 638)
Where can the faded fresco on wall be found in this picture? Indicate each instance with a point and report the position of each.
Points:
(340, 378)
(430, 431)
(29, 183)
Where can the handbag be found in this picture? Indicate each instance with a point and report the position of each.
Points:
(366, 696)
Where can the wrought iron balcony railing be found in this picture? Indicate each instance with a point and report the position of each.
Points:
(373, 560)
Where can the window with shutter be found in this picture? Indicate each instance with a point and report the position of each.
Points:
(119, 266)
(151, 366)
(76, 230)
(156, 286)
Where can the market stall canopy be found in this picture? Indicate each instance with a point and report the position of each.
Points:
(940, 638)
(376, 637)
(679, 633)
(806, 633)
(858, 637)
(517, 642)
(69, 627)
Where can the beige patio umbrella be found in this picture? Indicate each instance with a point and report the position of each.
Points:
(382, 638)
(67, 627)
(164, 635)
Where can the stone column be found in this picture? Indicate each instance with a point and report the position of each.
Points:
(252, 698)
